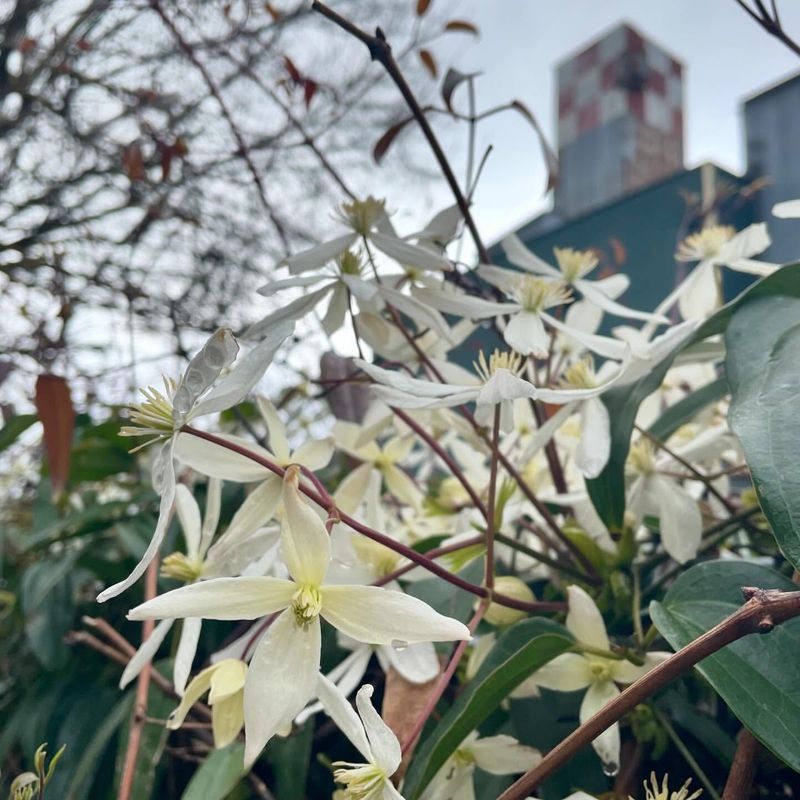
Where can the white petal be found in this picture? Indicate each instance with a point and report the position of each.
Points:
(680, 519)
(314, 454)
(584, 619)
(754, 239)
(502, 279)
(276, 430)
(165, 470)
(246, 373)
(417, 663)
(374, 615)
(305, 544)
(282, 678)
(187, 648)
(196, 689)
(189, 516)
(421, 313)
(338, 708)
(409, 255)
(699, 294)
(460, 304)
(544, 434)
(361, 289)
(211, 517)
(289, 313)
(625, 672)
(594, 447)
(752, 267)
(221, 598)
(398, 399)
(602, 300)
(442, 227)
(217, 461)
(504, 755)
(525, 333)
(144, 655)
(351, 491)
(270, 288)
(319, 255)
(614, 285)
(567, 672)
(602, 345)
(504, 385)
(787, 209)
(337, 310)
(385, 747)
(520, 256)
(607, 744)
(402, 486)
(404, 383)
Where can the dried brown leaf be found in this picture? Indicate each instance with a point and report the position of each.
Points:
(426, 57)
(57, 415)
(462, 26)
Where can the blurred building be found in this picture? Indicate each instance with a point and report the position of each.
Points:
(623, 189)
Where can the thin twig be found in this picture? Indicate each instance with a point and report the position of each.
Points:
(763, 610)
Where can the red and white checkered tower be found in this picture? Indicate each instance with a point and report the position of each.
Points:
(620, 120)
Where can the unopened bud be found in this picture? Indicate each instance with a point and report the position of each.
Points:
(502, 616)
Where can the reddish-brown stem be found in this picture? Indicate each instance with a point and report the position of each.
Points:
(371, 533)
(743, 768)
(142, 688)
(491, 520)
(763, 610)
(436, 552)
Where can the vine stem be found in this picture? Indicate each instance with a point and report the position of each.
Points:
(329, 505)
(491, 520)
(762, 611)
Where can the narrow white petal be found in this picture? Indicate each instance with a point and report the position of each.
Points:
(221, 598)
(246, 373)
(520, 256)
(567, 672)
(503, 279)
(602, 300)
(338, 708)
(699, 294)
(602, 345)
(289, 313)
(187, 648)
(383, 742)
(166, 479)
(196, 689)
(395, 398)
(319, 255)
(144, 655)
(753, 267)
(607, 744)
(404, 383)
(788, 209)
(754, 239)
(409, 255)
(305, 544)
(594, 447)
(417, 663)
(450, 301)
(211, 517)
(525, 333)
(337, 310)
(271, 287)
(544, 434)
(276, 430)
(351, 491)
(421, 313)
(217, 461)
(614, 285)
(402, 487)
(189, 516)
(504, 755)
(625, 672)
(314, 454)
(584, 619)
(680, 519)
(374, 615)
(282, 678)
(504, 385)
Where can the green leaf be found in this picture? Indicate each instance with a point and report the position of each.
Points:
(446, 598)
(686, 409)
(757, 676)
(607, 491)
(218, 774)
(14, 428)
(518, 652)
(763, 353)
(290, 759)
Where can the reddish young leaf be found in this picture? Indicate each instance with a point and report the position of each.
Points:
(385, 142)
(430, 63)
(462, 26)
(294, 73)
(423, 6)
(55, 411)
(309, 90)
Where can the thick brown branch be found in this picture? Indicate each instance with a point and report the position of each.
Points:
(763, 610)
(743, 769)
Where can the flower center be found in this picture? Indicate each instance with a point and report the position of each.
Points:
(182, 568)
(706, 243)
(360, 781)
(361, 215)
(537, 294)
(306, 604)
(349, 263)
(463, 757)
(601, 669)
(154, 415)
(580, 374)
(574, 264)
(642, 457)
(497, 360)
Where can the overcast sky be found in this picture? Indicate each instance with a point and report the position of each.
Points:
(726, 58)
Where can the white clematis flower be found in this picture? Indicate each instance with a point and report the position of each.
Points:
(497, 755)
(598, 675)
(199, 392)
(371, 736)
(284, 667)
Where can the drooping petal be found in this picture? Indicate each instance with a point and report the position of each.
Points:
(314, 454)
(525, 333)
(417, 663)
(567, 672)
(319, 255)
(680, 520)
(246, 373)
(184, 656)
(337, 310)
(276, 430)
(221, 598)
(289, 313)
(164, 477)
(375, 615)
(189, 516)
(383, 742)
(520, 256)
(337, 707)
(602, 345)
(282, 678)
(699, 293)
(194, 691)
(305, 544)
(607, 744)
(594, 447)
(409, 255)
(220, 462)
(404, 383)
(227, 718)
(503, 755)
(603, 301)
(146, 652)
(401, 486)
(227, 679)
(352, 490)
(584, 620)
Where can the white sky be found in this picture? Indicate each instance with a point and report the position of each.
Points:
(726, 58)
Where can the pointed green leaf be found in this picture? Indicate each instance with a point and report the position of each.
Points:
(218, 774)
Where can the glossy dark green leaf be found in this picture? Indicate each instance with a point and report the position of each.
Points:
(289, 760)
(607, 491)
(218, 774)
(686, 409)
(518, 652)
(14, 428)
(757, 676)
(763, 360)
